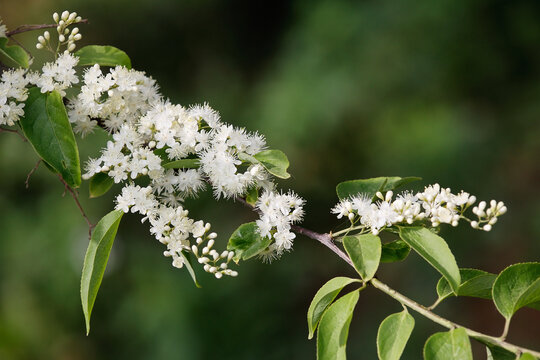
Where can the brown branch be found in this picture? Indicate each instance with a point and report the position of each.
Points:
(76, 198)
(25, 28)
(13, 132)
(27, 181)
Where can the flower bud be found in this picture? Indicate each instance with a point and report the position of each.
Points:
(65, 15)
(212, 235)
(194, 249)
(77, 37)
(218, 275)
(487, 227)
(61, 38)
(47, 35)
(56, 17)
(39, 46)
(71, 47)
(41, 39)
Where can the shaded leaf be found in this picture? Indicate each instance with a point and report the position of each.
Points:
(393, 334)
(275, 161)
(100, 183)
(434, 250)
(252, 195)
(182, 164)
(95, 260)
(14, 53)
(371, 186)
(334, 328)
(103, 56)
(324, 297)
(450, 345)
(246, 242)
(517, 286)
(365, 253)
(394, 251)
(46, 125)
(474, 283)
(495, 352)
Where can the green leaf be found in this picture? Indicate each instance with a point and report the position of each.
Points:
(474, 283)
(14, 53)
(434, 250)
(252, 195)
(100, 183)
(246, 242)
(394, 251)
(393, 334)
(189, 267)
(182, 164)
(46, 125)
(527, 356)
(516, 286)
(498, 353)
(450, 345)
(334, 328)
(103, 56)
(324, 297)
(95, 261)
(365, 253)
(370, 187)
(275, 161)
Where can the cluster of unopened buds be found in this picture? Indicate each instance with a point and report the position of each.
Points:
(487, 218)
(435, 205)
(214, 262)
(66, 36)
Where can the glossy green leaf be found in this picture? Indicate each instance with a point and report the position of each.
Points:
(46, 125)
(95, 260)
(252, 195)
(103, 56)
(434, 250)
(334, 328)
(189, 267)
(323, 298)
(100, 183)
(474, 283)
(394, 251)
(275, 161)
(182, 164)
(371, 186)
(393, 334)
(517, 286)
(498, 353)
(246, 242)
(450, 345)
(15, 54)
(365, 253)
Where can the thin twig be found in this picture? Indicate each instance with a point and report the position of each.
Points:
(14, 132)
(27, 181)
(76, 198)
(326, 240)
(25, 28)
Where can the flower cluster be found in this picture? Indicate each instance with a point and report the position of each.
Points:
(435, 205)
(12, 94)
(277, 213)
(63, 21)
(3, 29)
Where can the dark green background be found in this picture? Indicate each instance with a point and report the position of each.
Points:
(446, 90)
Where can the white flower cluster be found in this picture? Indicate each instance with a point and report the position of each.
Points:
(118, 98)
(63, 21)
(435, 204)
(12, 94)
(278, 212)
(149, 132)
(173, 228)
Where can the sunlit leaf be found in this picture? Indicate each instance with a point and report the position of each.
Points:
(95, 260)
(334, 328)
(474, 283)
(324, 297)
(450, 345)
(365, 253)
(275, 161)
(103, 56)
(393, 334)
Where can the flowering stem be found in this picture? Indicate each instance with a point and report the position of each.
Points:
(326, 240)
(25, 28)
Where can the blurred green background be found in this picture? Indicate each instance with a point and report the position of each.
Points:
(446, 90)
